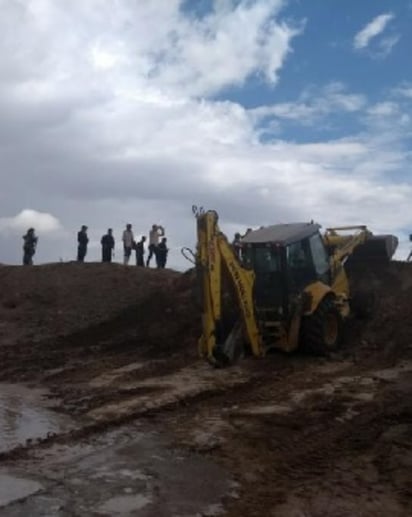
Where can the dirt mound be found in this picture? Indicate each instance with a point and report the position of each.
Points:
(388, 333)
(50, 314)
(59, 299)
(393, 318)
(53, 314)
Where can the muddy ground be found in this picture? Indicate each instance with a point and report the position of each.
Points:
(105, 408)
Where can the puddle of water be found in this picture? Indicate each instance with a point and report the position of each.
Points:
(24, 416)
(298, 397)
(133, 475)
(327, 368)
(273, 409)
(139, 474)
(363, 396)
(14, 488)
(391, 374)
(124, 504)
(112, 375)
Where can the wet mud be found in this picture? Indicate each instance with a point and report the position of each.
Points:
(127, 472)
(26, 416)
(120, 417)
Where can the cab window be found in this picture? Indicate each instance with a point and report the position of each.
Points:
(298, 256)
(265, 259)
(319, 254)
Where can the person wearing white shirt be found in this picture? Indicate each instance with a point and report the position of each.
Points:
(155, 233)
(128, 243)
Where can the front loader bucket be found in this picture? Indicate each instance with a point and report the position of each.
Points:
(377, 249)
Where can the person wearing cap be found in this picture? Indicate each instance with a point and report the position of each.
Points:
(82, 242)
(107, 242)
(29, 247)
(128, 243)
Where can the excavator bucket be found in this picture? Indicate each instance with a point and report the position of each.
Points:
(377, 249)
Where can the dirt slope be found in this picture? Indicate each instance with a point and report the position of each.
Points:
(299, 435)
(58, 299)
(58, 314)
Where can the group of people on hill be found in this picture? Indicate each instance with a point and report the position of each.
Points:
(157, 246)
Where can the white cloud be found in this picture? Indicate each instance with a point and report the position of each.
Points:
(107, 117)
(144, 45)
(386, 45)
(371, 30)
(384, 108)
(405, 90)
(314, 103)
(389, 114)
(27, 218)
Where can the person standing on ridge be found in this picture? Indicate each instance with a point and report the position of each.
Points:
(128, 243)
(161, 253)
(107, 243)
(237, 245)
(155, 233)
(29, 247)
(140, 252)
(82, 242)
(409, 257)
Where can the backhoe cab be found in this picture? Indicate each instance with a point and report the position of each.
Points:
(287, 288)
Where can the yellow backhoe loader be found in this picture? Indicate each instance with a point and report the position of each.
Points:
(286, 286)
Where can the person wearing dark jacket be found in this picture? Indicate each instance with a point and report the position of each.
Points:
(140, 252)
(161, 253)
(82, 241)
(237, 245)
(107, 242)
(29, 247)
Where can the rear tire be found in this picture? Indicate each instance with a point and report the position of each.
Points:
(322, 330)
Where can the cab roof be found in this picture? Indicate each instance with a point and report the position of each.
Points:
(282, 234)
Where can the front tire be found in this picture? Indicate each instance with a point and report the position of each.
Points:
(322, 330)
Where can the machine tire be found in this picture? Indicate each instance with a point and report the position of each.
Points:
(322, 330)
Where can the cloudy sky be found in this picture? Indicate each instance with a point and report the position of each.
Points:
(117, 111)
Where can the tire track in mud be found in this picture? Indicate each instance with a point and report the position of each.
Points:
(106, 417)
(287, 458)
(306, 450)
(99, 409)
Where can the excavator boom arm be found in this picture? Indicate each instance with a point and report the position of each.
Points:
(345, 244)
(215, 258)
(361, 243)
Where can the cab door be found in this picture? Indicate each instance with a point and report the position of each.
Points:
(300, 267)
(320, 258)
